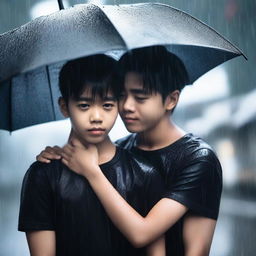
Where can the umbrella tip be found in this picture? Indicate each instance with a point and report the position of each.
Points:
(61, 6)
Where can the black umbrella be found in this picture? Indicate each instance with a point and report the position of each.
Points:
(31, 55)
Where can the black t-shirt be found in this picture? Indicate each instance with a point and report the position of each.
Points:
(192, 175)
(55, 198)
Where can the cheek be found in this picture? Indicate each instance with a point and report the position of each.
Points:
(145, 109)
(151, 112)
(79, 121)
(76, 125)
(110, 118)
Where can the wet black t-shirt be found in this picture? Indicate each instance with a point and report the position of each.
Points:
(193, 177)
(55, 198)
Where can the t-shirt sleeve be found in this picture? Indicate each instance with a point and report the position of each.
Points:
(198, 184)
(36, 205)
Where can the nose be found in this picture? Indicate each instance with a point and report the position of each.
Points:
(127, 104)
(95, 116)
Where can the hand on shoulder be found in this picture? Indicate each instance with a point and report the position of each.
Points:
(49, 153)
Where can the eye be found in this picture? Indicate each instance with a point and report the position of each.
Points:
(83, 106)
(108, 106)
(141, 98)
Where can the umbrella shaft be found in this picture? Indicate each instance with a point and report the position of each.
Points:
(61, 6)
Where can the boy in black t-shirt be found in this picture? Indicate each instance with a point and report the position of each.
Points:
(152, 80)
(59, 211)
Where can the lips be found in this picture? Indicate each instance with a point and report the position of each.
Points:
(96, 131)
(128, 119)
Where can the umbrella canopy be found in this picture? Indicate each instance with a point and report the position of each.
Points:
(42, 45)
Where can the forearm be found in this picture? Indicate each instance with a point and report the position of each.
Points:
(138, 230)
(127, 220)
(156, 248)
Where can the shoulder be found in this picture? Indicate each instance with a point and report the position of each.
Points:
(195, 158)
(39, 167)
(40, 172)
(126, 142)
(196, 149)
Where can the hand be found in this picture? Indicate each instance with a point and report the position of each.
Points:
(49, 153)
(81, 159)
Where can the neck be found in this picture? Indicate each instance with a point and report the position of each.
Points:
(160, 136)
(106, 149)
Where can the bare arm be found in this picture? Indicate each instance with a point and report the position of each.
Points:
(41, 243)
(157, 248)
(139, 230)
(197, 234)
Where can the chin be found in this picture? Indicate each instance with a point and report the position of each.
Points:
(96, 140)
(134, 129)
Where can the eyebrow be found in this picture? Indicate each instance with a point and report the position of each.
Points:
(90, 99)
(139, 91)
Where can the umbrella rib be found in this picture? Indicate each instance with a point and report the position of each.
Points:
(50, 88)
(100, 7)
(204, 24)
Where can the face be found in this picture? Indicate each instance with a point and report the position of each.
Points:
(139, 110)
(91, 119)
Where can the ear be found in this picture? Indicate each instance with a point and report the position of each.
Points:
(63, 107)
(172, 100)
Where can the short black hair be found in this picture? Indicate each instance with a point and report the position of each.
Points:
(94, 72)
(161, 71)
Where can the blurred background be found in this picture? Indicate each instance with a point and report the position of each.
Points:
(220, 107)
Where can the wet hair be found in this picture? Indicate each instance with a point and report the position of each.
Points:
(94, 73)
(160, 70)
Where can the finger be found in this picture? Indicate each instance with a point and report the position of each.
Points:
(56, 147)
(50, 155)
(46, 156)
(57, 150)
(67, 149)
(48, 149)
(42, 160)
(64, 161)
(65, 156)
